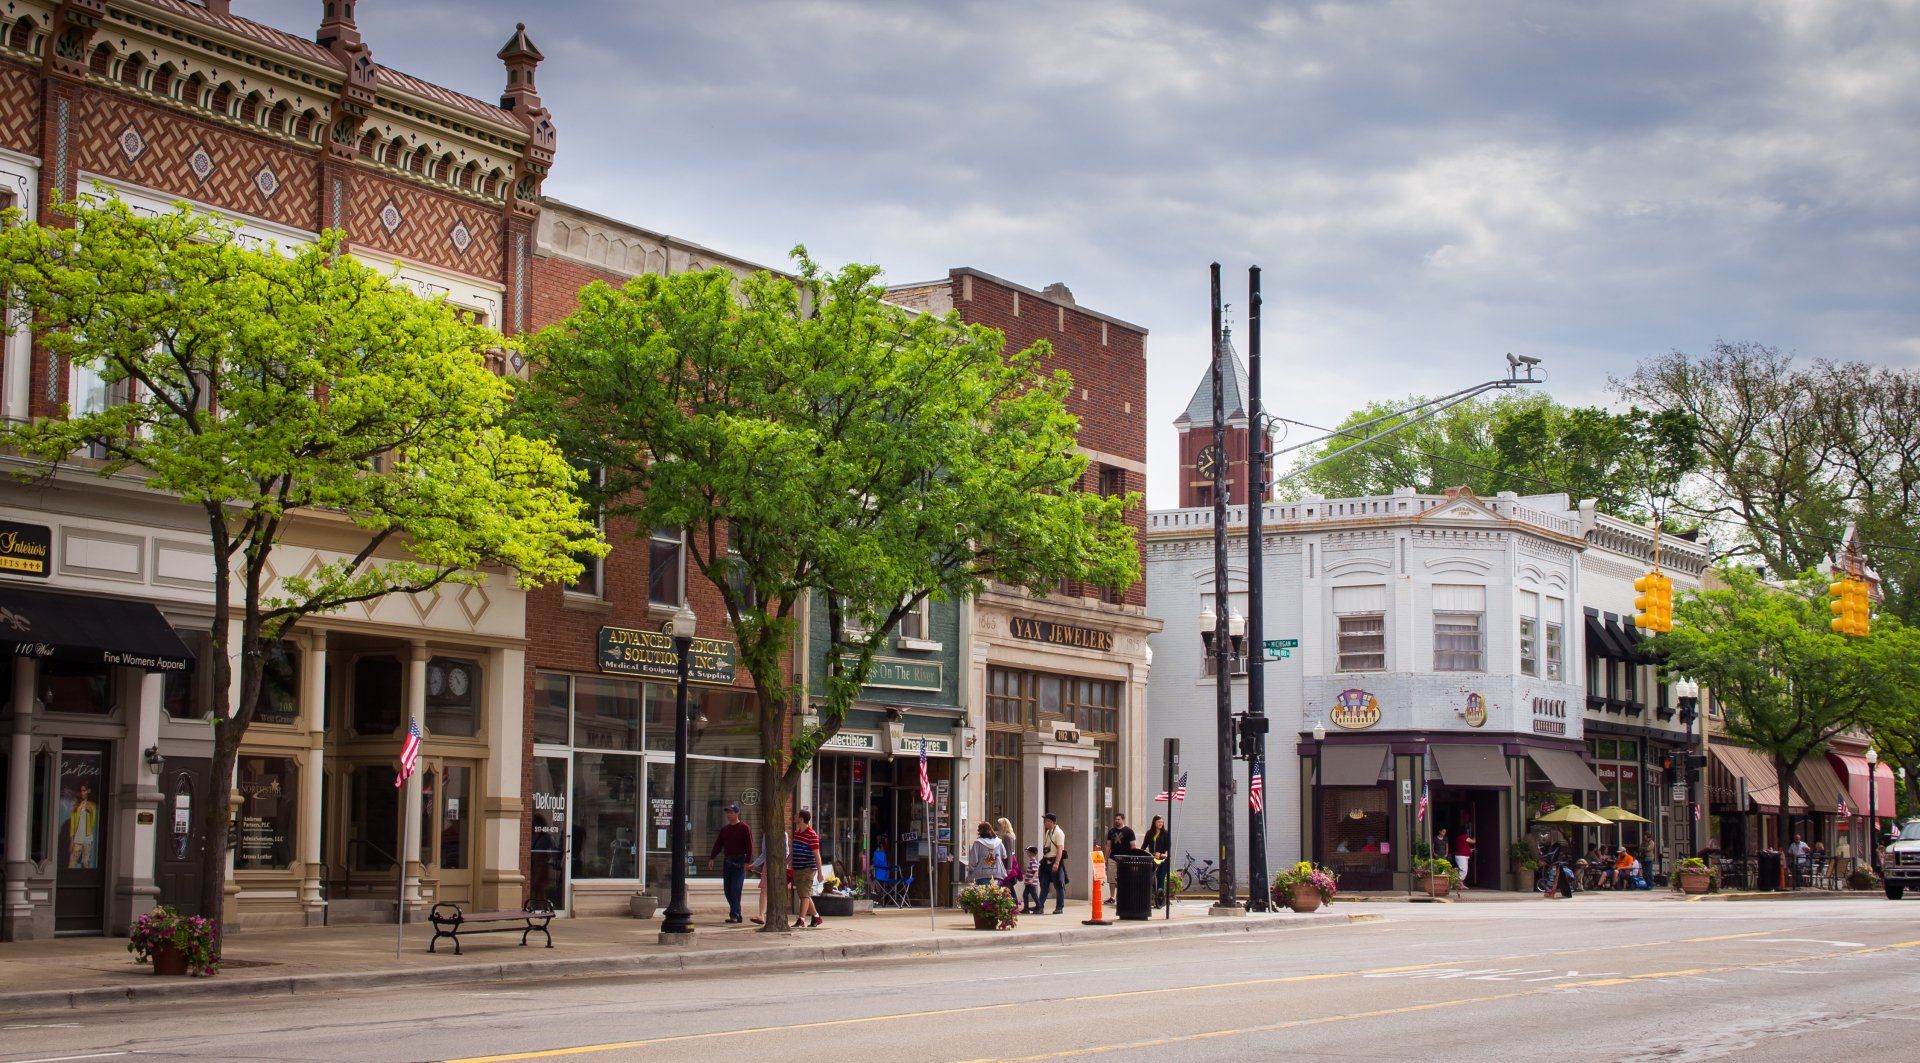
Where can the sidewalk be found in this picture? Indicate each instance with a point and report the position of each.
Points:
(80, 972)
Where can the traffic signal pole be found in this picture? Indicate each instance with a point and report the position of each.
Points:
(1253, 732)
(1227, 904)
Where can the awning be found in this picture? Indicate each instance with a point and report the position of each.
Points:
(1634, 641)
(1351, 765)
(1472, 766)
(1600, 643)
(1854, 770)
(1565, 769)
(1820, 786)
(86, 630)
(1763, 784)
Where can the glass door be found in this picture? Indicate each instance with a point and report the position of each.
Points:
(550, 831)
(80, 892)
(452, 840)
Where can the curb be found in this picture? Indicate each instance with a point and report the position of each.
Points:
(718, 959)
(1784, 895)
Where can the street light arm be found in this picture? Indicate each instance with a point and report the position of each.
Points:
(1354, 429)
(1456, 399)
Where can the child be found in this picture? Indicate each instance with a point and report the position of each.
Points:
(1030, 882)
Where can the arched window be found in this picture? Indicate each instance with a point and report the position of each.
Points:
(20, 38)
(222, 101)
(277, 118)
(102, 61)
(250, 107)
(418, 164)
(443, 170)
(396, 151)
(165, 80)
(130, 69)
(369, 143)
(194, 93)
(494, 178)
(468, 175)
(304, 126)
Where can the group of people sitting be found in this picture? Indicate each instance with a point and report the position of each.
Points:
(1597, 870)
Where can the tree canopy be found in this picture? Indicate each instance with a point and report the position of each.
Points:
(267, 387)
(1629, 462)
(817, 439)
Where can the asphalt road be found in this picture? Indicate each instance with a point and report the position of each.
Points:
(1594, 979)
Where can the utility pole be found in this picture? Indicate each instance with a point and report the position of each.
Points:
(1227, 903)
(1253, 730)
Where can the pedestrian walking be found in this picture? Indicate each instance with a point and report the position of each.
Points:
(1463, 852)
(987, 859)
(1030, 882)
(1009, 844)
(734, 846)
(759, 868)
(1053, 863)
(1158, 844)
(804, 859)
(1800, 854)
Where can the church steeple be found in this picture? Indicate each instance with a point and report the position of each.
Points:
(1195, 425)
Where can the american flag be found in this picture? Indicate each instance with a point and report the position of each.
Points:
(409, 754)
(1420, 814)
(1696, 811)
(1256, 783)
(1179, 790)
(1843, 806)
(926, 788)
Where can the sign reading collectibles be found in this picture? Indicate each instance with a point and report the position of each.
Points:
(631, 651)
(1086, 638)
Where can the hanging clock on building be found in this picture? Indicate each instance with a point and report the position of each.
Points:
(436, 680)
(458, 679)
(1208, 463)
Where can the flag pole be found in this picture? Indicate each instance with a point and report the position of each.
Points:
(400, 885)
(933, 922)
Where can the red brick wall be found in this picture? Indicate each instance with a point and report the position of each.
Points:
(1109, 378)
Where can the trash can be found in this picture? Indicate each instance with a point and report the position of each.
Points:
(1132, 885)
(1769, 870)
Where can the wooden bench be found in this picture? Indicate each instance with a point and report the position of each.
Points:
(450, 922)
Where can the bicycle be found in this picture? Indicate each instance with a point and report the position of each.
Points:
(1200, 876)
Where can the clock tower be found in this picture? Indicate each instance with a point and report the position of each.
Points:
(1195, 425)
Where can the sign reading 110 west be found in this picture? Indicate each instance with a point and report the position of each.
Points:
(632, 651)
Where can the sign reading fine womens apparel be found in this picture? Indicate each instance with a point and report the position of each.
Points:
(632, 651)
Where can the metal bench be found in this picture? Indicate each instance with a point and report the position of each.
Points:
(450, 922)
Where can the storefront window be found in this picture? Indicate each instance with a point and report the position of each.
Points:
(78, 688)
(189, 694)
(455, 816)
(1356, 836)
(711, 785)
(551, 708)
(606, 713)
(1003, 775)
(376, 695)
(453, 697)
(721, 723)
(279, 684)
(268, 788)
(549, 848)
(606, 803)
(373, 838)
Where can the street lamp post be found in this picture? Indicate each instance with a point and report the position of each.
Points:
(676, 928)
(1873, 808)
(1223, 651)
(1687, 692)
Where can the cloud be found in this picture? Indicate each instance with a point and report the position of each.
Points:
(1426, 185)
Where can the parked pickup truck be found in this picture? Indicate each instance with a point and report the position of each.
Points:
(1901, 862)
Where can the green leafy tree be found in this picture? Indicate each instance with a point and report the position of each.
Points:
(1631, 462)
(816, 439)
(1786, 683)
(263, 388)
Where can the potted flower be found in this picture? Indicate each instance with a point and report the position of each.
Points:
(1304, 887)
(175, 944)
(1440, 876)
(992, 906)
(1176, 883)
(1695, 876)
(1862, 878)
(1525, 861)
(844, 897)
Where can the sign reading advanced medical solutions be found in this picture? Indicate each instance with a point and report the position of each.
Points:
(1086, 638)
(633, 651)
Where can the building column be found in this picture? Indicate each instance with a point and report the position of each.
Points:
(137, 808)
(19, 905)
(313, 778)
(499, 858)
(410, 818)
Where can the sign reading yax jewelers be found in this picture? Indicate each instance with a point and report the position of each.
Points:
(633, 651)
(1086, 638)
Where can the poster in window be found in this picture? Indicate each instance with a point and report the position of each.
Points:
(80, 772)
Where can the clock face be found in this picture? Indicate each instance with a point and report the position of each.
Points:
(457, 681)
(436, 680)
(1208, 463)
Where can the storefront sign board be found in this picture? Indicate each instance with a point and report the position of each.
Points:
(1355, 710)
(859, 741)
(635, 651)
(1549, 716)
(25, 549)
(909, 745)
(894, 673)
(1475, 711)
(1085, 638)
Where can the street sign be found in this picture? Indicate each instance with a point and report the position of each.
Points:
(1281, 645)
(1406, 791)
(1284, 654)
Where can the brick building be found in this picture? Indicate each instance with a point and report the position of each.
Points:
(1056, 687)
(157, 101)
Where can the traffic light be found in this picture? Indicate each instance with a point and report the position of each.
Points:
(1653, 608)
(1850, 607)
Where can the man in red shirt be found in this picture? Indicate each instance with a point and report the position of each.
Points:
(1463, 851)
(735, 844)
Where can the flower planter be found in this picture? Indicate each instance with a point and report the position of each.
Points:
(1695, 882)
(643, 905)
(1304, 899)
(982, 921)
(169, 962)
(1438, 885)
(840, 907)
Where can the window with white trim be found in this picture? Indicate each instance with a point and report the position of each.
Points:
(591, 581)
(1459, 628)
(1529, 633)
(1554, 625)
(915, 625)
(1360, 629)
(665, 550)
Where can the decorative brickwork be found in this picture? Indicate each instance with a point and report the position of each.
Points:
(233, 162)
(19, 110)
(424, 226)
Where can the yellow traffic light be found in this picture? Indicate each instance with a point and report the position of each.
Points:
(1653, 607)
(1862, 609)
(1852, 610)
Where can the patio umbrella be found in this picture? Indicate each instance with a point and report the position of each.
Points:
(1620, 816)
(1575, 815)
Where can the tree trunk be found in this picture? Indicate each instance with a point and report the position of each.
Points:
(773, 817)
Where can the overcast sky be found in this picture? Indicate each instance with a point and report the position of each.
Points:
(1427, 185)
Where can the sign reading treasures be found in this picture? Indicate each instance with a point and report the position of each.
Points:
(25, 548)
(1086, 638)
(631, 651)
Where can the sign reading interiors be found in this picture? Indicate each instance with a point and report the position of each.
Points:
(633, 651)
(26, 548)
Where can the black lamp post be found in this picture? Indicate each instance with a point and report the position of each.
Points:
(1873, 808)
(1687, 692)
(676, 927)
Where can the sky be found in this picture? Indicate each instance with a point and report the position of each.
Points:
(1426, 186)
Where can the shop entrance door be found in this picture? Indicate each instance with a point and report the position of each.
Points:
(1459, 809)
(80, 894)
(449, 834)
(551, 830)
(178, 841)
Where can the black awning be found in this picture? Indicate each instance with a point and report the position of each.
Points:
(85, 630)
(1628, 636)
(1600, 643)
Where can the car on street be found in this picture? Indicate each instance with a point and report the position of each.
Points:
(1901, 863)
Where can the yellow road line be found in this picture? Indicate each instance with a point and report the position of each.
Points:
(615, 1046)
